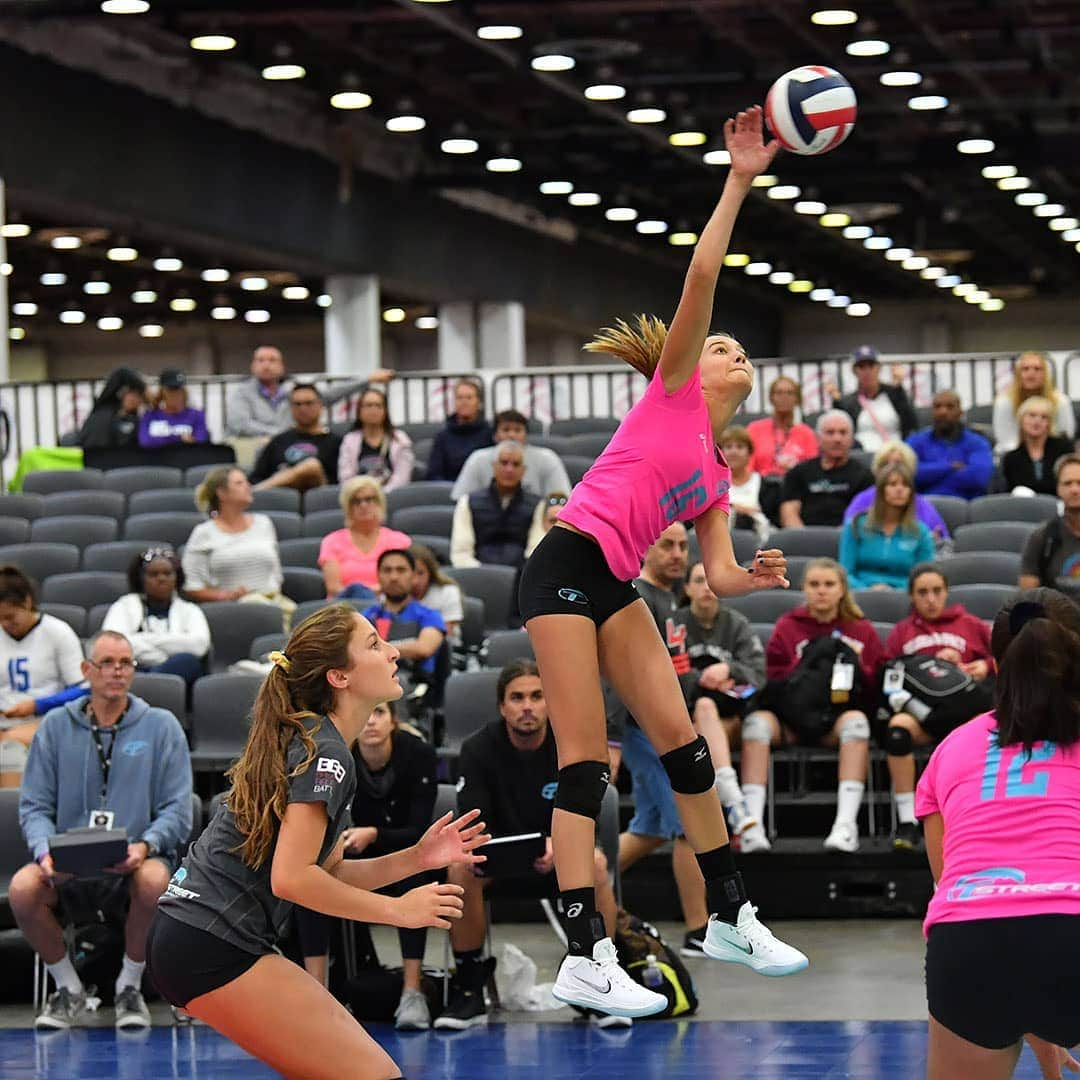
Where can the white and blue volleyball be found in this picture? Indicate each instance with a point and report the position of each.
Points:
(811, 110)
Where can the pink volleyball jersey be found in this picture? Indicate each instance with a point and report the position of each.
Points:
(660, 467)
(1011, 823)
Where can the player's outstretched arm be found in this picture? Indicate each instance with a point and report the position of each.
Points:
(725, 576)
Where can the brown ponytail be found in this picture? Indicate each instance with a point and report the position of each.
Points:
(640, 347)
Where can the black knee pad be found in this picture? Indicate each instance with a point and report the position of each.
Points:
(582, 787)
(898, 741)
(690, 768)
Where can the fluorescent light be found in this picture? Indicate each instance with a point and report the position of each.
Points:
(224, 312)
(651, 227)
(13, 230)
(1030, 198)
(151, 330)
(254, 284)
(932, 273)
(819, 296)
(459, 146)
(898, 254)
(168, 264)
(833, 17)
(1071, 236)
(496, 32)
(125, 7)
(928, 102)
(621, 213)
(73, 317)
(900, 78)
(834, 220)
(717, 157)
(257, 315)
(324, 300)
(122, 254)
(688, 138)
(16, 333)
(350, 99)
(25, 307)
(979, 296)
(605, 92)
(858, 311)
(801, 285)
(584, 198)
(765, 180)
(949, 281)
(858, 232)
(915, 262)
(781, 277)
(65, 243)
(1063, 224)
(553, 62)
(503, 164)
(393, 315)
(838, 302)
(1014, 183)
(999, 172)
(427, 322)
(556, 187)
(683, 239)
(810, 206)
(965, 288)
(110, 322)
(877, 243)
(785, 191)
(53, 278)
(144, 296)
(6, 269)
(993, 304)
(757, 269)
(406, 123)
(182, 303)
(283, 72)
(736, 258)
(97, 288)
(870, 47)
(215, 273)
(976, 146)
(295, 292)
(213, 43)
(646, 116)
(1049, 210)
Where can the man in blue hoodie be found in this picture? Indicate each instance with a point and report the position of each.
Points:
(107, 758)
(952, 459)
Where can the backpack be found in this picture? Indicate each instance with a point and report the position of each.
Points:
(635, 941)
(1052, 540)
(939, 695)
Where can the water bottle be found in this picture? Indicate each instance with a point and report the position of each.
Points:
(651, 974)
(902, 701)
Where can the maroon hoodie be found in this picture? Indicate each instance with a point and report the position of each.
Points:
(956, 629)
(795, 630)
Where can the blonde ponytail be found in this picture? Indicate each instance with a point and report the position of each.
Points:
(639, 347)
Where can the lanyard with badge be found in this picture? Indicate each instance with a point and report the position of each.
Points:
(843, 677)
(102, 818)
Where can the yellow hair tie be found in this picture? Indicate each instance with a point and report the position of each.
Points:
(279, 659)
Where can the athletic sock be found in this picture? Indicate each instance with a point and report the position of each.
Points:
(468, 963)
(724, 891)
(65, 975)
(131, 973)
(848, 800)
(727, 786)
(755, 800)
(584, 926)
(905, 807)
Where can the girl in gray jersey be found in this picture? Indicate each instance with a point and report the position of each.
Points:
(275, 842)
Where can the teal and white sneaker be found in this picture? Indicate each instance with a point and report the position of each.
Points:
(751, 943)
(598, 982)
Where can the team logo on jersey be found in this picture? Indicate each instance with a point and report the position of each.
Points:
(575, 596)
(135, 747)
(689, 494)
(332, 766)
(722, 488)
(175, 886)
(548, 790)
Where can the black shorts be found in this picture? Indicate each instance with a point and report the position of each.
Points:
(567, 574)
(991, 981)
(185, 963)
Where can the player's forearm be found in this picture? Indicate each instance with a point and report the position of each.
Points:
(375, 873)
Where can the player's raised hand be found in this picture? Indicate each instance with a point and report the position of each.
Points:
(745, 141)
(452, 841)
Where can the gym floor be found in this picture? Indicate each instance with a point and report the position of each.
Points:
(859, 1011)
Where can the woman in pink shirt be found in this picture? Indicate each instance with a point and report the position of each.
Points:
(1000, 806)
(351, 555)
(780, 442)
(585, 619)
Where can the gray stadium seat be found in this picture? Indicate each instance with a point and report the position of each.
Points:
(303, 551)
(288, 524)
(263, 499)
(13, 853)
(864, 457)
(440, 545)
(796, 569)
(506, 645)
(745, 543)
(763, 630)
(472, 624)
(559, 443)
(421, 493)
(884, 629)
(766, 606)
(172, 500)
(954, 511)
(469, 703)
(267, 643)
(82, 530)
(303, 583)
(95, 617)
(587, 444)
(22, 505)
(73, 615)
(814, 541)
(883, 605)
(172, 528)
(163, 691)
(433, 520)
(40, 560)
(584, 425)
(322, 498)
(233, 627)
(85, 589)
(220, 718)
(1013, 508)
(576, 466)
(993, 536)
(50, 480)
(982, 568)
(14, 530)
(194, 476)
(142, 478)
(98, 503)
(116, 555)
(424, 429)
(322, 522)
(983, 601)
(492, 584)
(309, 607)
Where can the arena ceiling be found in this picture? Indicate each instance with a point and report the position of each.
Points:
(1005, 70)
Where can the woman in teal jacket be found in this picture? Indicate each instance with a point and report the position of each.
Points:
(879, 548)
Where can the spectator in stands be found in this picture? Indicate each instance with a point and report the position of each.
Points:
(350, 556)
(501, 523)
(544, 470)
(107, 753)
(434, 589)
(817, 492)
(552, 505)
(168, 634)
(895, 452)
(114, 419)
(391, 810)
(946, 633)
(953, 459)
(466, 430)
(1029, 468)
(1052, 553)
(737, 446)
(234, 555)
(879, 548)
(170, 421)
(781, 441)
(259, 406)
(375, 447)
(880, 412)
(509, 770)
(829, 611)
(42, 656)
(1032, 377)
(303, 456)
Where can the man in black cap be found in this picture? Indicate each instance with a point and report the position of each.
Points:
(879, 411)
(171, 421)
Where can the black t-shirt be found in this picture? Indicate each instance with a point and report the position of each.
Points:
(825, 493)
(291, 447)
(216, 891)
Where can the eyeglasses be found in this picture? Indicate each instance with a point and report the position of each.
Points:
(127, 664)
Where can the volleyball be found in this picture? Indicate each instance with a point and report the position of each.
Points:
(811, 110)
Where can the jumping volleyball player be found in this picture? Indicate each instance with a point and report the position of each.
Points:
(275, 842)
(585, 619)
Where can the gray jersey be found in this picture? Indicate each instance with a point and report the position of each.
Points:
(216, 891)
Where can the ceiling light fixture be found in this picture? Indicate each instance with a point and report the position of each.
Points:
(683, 239)
(1049, 210)
(928, 102)
(503, 164)
(283, 72)
(556, 187)
(833, 17)
(621, 213)
(122, 254)
(24, 307)
(110, 322)
(810, 206)
(877, 243)
(1030, 198)
(223, 313)
(870, 47)
(324, 300)
(97, 288)
(1014, 183)
(53, 278)
(858, 311)
(584, 198)
(553, 62)
(965, 288)
(254, 283)
(257, 315)
(932, 273)
(781, 277)
(993, 304)
(900, 78)
(151, 330)
(765, 180)
(168, 264)
(857, 232)
(125, 7)
(785, 191)
(915, 262)
(801, 285)
(717, 157)
(1071, 236)
(651, 227)
(13, 230)
(999, 172)
(405, 123)
(499, 32)
(144, 296)
(183, 303)
(427, 322)
(688, 138)
(213, 43)
(898, 254)
(835, 220)
(65, 243)
(350, 99)
(949, 281)
(1064, 224)
(819, 296)
(605, 92)
(295, 292)
(840, 301)
(649, 115)
(757, 269)
(215, 273)
(976, 146)
(736, 258)
(17, 333)
(459, 146)
(393, 315)
(72, 317)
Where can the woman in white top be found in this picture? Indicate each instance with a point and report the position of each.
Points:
(1032, 377)
(433, 589)
(40, 668)
(167, 633)
(234, 555)
(738, 449)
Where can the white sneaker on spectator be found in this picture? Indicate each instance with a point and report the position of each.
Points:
(739, 818)
(598, 982)
(63, 1009)
(843, 837)
(752, 943)
(131, 1011)
(754, 839)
